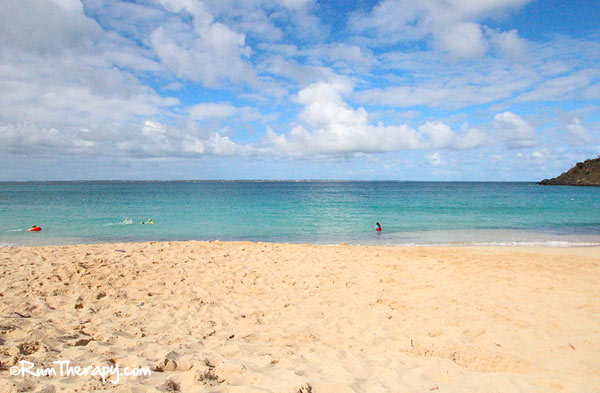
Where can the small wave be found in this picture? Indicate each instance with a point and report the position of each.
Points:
(545, 243)
(3, 244)
(124, 222)
(15, 230)
(548, 243)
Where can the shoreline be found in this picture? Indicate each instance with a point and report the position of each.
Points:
(246, 317)
(591, 250)
(500, 244)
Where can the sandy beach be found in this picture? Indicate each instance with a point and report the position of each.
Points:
(260, 317)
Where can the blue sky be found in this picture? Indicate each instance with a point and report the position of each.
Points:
(298, 89)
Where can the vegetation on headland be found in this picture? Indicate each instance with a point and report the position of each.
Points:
(585, 173)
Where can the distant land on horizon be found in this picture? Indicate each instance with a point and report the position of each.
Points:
(586, 173)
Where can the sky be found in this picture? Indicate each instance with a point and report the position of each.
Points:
(434, 90)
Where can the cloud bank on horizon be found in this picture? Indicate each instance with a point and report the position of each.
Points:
(395, 89)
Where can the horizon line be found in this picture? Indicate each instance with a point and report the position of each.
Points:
(265, 180)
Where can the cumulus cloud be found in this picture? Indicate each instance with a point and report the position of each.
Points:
(169, 78)
(436, 160)
(28, 139)
(161, 140)
(463, 40)
(44, 28)
(65, 93)
(509, 43)
(201, 50)
(57, 77)
(338, 129)
(514, 131)
(152, 139)
(441, 136)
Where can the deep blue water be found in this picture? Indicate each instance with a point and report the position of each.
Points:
(306, 211)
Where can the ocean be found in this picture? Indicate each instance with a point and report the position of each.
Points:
(323, 212)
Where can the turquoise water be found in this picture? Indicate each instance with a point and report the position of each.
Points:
(306, 211)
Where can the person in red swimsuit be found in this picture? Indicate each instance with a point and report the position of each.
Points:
(377, 227)
(35, 228)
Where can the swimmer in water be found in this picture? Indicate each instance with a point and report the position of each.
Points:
(377, 227)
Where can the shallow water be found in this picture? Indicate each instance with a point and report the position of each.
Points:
(306, 211)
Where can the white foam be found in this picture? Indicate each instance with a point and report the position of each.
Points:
(548, 243)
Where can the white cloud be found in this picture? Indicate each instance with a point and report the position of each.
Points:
(201, 50)
(44, 28)
(562, 87)
(447, 95)
(439, 133)
(514, 131)
(101, 78)
(557, 70)
(345, 57)
(540, 157)
(152, 140)
(452, 24)
(591, 92)
(509, 43)
(28, 139)
(577, 131)
(293, 71)
(256, 19)
(269, 20)
(56, 73)
(62, 78)
(436, 160)
(430, 82)
(70, 5)
(211, 110)
(212, 58)
(441, 136)
(187, 140)
(339, 129)
(473, 138)
(63, 94)
(463, 40)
